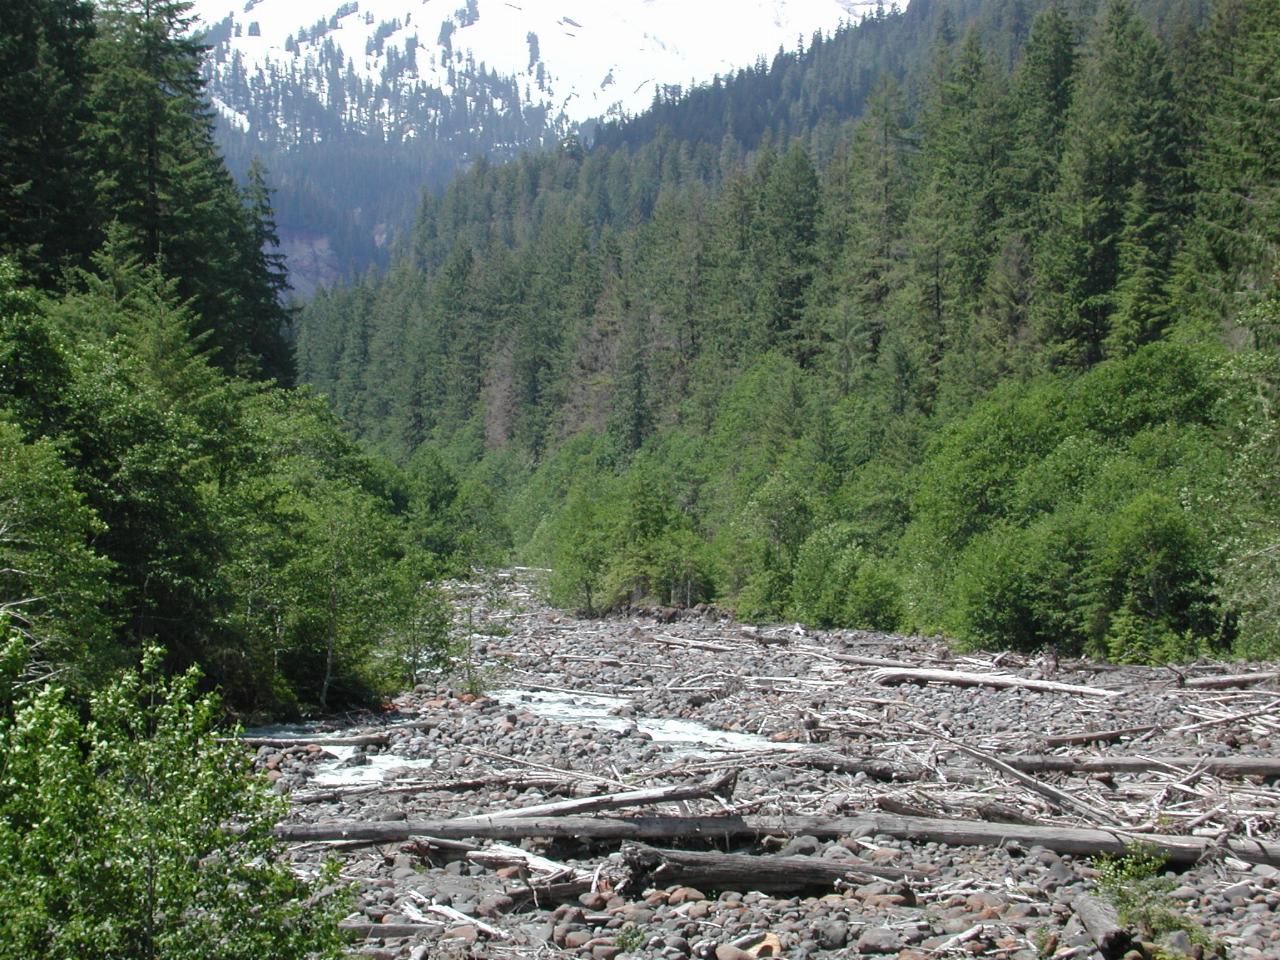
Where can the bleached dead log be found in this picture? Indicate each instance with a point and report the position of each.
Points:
(1260, 712)
(1074, 840)
(1232, 680)
(873, 767)
(544, 894)
(1096, 736)
(859, 661)
(357, 930)
(1218, 766)
(721, 786)
(956, 678)
(670, 641)
(649, 866)
(449, 913)
(285, 743)
(1100, 922)
(395, 787)
(998, 812)
(1059, 798)
(502, 855)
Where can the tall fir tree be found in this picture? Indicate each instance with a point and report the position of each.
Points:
(1122, 165)
(46, 183)
(159, 175)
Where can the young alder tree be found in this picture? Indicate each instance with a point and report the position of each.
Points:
(128, 832)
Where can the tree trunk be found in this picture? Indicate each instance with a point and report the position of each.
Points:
(649, 866)
(965, 833)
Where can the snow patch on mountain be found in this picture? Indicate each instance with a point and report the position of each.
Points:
(579, 58)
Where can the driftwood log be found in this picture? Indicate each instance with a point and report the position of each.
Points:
(956, 678)
(1100, 922)
(378, 931)
(1074, 840)
(285, 743)
(1218, 766)
(649, 866)
(399, 787)
(721, 786)
(1096, 736)
(875, 768)
(1234, 680)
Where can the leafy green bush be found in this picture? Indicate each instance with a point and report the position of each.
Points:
(821, 574)
(1140, 892)
(1155, 572)
(136, 835)
(581, 540)
(873, 600)
(1026, 587)
(835, 584)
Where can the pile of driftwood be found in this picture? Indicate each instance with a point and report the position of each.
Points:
(1064, 792)
(640, 866)
(566, 819)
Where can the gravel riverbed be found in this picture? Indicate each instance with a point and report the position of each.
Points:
(550, 707)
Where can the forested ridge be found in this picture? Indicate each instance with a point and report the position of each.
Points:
(979, 341)
(164, 484)
(185, 537)
(992, 354)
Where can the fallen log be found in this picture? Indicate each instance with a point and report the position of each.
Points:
(1096, 736)
(1233, 680)
(1218, 766)
(457, 916)
(956, 678)
(883, 770)
(859, 661)
(969, 833)
(1100, 922)
(721, 786)
(379, 931)
(284, 743)
(997, 812)
(519, 828)
(650, 867)
(542, 894)
(1059, 798)
(335, 794)
(503, 855)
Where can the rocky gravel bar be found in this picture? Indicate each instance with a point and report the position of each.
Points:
(960, 797)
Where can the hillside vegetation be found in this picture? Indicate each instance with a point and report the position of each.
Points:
(997, 359)
(161, 483)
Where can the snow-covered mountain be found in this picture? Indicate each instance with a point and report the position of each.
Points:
(575, 59)
(358, 105)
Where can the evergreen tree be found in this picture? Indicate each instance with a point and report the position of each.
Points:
(1231, 261)
(865, 222)
(160, 177)
(784, 234)
(45, 171)
(1122, 164)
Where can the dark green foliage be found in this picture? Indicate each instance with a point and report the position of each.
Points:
(54, 589)
(983, 359)
(157, 500)
(1082, 537)
(152, 495)
(45, 169)
(107, 133)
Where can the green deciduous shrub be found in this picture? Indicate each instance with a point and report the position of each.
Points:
(835, 583)
(135, 835)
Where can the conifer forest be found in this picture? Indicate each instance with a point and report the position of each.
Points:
(962, 320)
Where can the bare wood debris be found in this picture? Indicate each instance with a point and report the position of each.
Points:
(994, 756)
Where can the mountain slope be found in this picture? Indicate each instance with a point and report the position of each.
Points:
(357, 106)
(980, 362)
